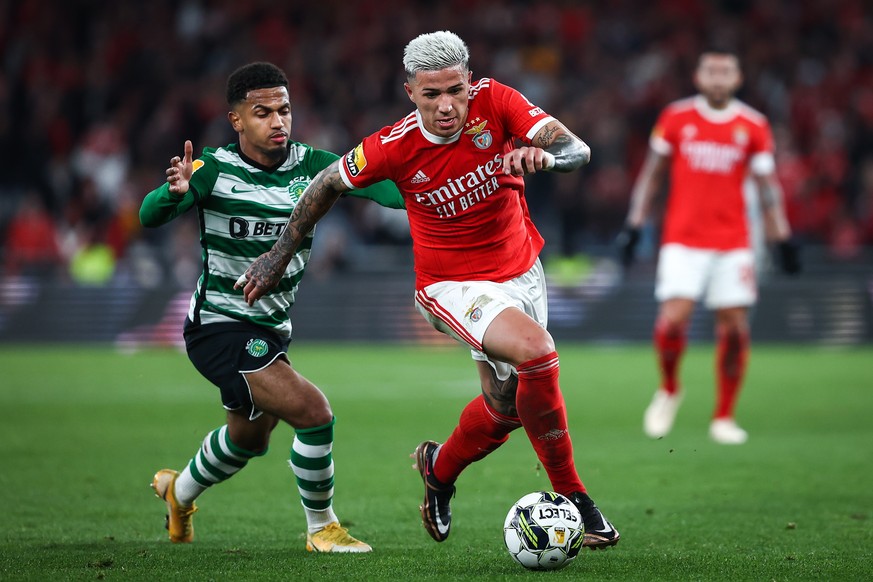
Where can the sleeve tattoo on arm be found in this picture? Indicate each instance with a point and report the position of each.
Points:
(546, 136)
(769, 195)
(570, 152)
(316, 200)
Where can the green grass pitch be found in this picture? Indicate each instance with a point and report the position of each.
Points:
(82, 430)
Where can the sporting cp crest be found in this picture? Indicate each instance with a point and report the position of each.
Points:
(296, 188)
(481, 137)
(257, 347)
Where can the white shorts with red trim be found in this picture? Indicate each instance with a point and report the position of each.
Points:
(721, 278)
(465, 309)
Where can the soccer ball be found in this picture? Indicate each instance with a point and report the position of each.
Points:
(543, 531)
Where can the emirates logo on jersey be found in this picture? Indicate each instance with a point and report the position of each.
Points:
(481, 137)
(712, 157)
(461, 193)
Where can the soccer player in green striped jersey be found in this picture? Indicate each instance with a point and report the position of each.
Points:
(243, 194)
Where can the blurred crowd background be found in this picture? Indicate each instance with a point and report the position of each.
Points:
(95, 97)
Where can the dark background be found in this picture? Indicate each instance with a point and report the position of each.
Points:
(95, 98)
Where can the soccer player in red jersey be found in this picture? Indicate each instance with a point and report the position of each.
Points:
(456, 161)
(710, 143)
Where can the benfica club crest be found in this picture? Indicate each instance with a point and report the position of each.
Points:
(741, 136)
(481, 137)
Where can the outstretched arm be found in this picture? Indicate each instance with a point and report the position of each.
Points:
(554, 147)
(267, 270)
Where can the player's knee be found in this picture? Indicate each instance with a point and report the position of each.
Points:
(670, 326)
(311, 416)
(732, 322)
(322, 416)
(253, 439)
(537, 347)
(733, 334)
(258, 447)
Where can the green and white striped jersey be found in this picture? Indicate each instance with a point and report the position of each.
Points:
(242, 210)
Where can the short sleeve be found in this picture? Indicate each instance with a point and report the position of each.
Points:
(364, 164)
(662, 138)
(524, 119)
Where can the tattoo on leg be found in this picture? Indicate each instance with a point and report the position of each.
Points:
(500, 394)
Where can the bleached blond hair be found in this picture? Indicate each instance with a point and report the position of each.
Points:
(434, 51)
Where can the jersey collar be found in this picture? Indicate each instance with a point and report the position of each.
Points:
(263, 168)
(435, 138)
(715, 115)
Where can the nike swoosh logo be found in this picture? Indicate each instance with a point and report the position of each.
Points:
(441, 527)
(236, 191)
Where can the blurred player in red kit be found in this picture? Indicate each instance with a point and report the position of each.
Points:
(710, 143)
(457, 163)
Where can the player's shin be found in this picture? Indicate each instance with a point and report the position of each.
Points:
(480, 431)
(217, 460)
(732, 354)
(670, 341)
(544, 417)
(312, 463)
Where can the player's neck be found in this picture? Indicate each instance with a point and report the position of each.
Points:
(717, 114)
(260, 159)
(718, 105)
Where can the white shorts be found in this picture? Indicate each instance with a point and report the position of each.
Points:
(721, 278)
(465, 309)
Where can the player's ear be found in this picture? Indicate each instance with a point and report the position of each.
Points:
(695, 79)
(408, 91)
(235, 121)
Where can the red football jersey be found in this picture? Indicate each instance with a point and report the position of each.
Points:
(711, 154)
(469, 221)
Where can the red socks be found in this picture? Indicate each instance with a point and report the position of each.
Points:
(544, 417)
(732, 354)
(543, 414)
(480, 430)
(670, 342)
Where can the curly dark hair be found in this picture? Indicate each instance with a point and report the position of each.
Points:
(253, 76)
